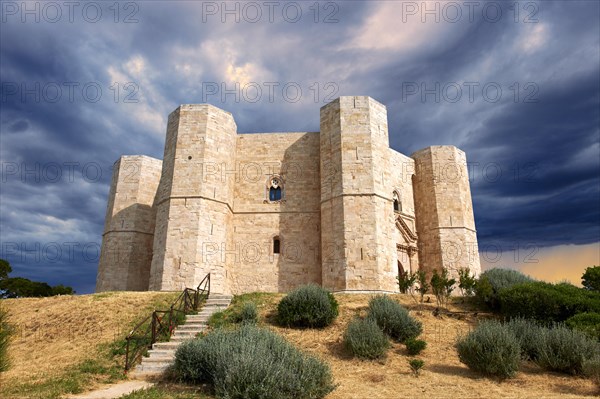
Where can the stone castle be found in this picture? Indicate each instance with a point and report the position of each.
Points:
(271, 211)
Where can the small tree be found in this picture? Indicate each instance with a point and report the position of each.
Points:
(442, 286)
(423, 284)
(591, 278)
(406, 282)
(415, 366)
(466, 282)
(5, 269)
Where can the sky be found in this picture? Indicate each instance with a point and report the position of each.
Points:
(514, 84)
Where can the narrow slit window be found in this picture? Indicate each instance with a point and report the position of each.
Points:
(274, 193)
(276, 245)
(275, 187)
(397, 203)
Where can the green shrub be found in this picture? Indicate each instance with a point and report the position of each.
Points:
(442, 286)
(416, 365)
(250, 362)
(491, 349)
(587, 322)
(406, 282)
(415, 346)
(423, 284)
(393, 319)
(307, 306)
(547, 302)
(528, 333)
(591, 278)
(565, 350)
(248, 313)
(4, 339)
(492, 281)
(365, 340)
(466, 282)
(591, 369)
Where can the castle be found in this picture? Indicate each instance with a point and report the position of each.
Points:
(271, 211)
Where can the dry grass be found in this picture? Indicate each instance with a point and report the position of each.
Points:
(443, 375)
(56, 335)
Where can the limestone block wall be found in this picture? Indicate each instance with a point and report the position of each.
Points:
(252, 265)
(193, 204)
(399, 176)
(126, 251)
(445, 221)
(355, 200)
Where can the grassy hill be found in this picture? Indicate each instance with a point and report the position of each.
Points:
(48, 353)
(62, 344)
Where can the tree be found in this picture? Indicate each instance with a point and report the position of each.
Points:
(4, 269)
(423, 284)
(591, 278)
(19, 287)
(466, 282)
(442, 286)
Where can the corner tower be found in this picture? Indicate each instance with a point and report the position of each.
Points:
(444, 210)
(126, 252)
(194, 199)
(356, 205)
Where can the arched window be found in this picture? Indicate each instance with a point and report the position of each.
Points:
(397, 202)
(275, 189)
(276, 245)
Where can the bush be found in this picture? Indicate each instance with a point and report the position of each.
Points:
(491, 349)
(528, 333)
(406, 282)
(588, 323)
(547, 302)
(591, 278)
(442, 286)
(307, 306)
(466, 282)
(415, 346)
(416, 365)
(393, 319)
(4, 339)
(250, 362)
(423, 284)
(247, 314)
(365, 340)
(565, 350)
(492, 281)
(591, 369)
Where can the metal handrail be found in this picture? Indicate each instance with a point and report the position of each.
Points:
(188, 301)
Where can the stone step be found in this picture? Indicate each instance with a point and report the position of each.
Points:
(161, 359)
(155, 368)
(196, 319)
(161, 352)
(220, 296)
(191, 328)
(180, 338)
(185, 334)
(166, 345)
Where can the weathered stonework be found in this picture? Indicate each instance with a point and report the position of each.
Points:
(271, 211)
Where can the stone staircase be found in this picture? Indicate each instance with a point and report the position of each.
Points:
(162, 354)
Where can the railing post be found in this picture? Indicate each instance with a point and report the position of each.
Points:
(154, 326)
(127, 355)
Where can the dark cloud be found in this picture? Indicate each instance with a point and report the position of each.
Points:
(547, 151)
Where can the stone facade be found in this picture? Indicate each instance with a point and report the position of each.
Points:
(271, 211)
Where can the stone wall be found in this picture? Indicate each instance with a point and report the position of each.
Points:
(205, 207)
(193, 204)
(126, 252)
(356, 207)
(252, 265)
(444, 211)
